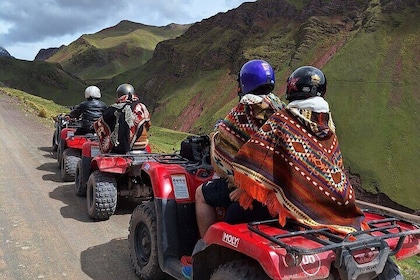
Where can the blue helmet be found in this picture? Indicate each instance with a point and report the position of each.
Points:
(257, 77)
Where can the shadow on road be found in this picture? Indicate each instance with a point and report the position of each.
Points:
(50, 152)
(99, 262)
(76, 206)
(54, 174)
(51, 167)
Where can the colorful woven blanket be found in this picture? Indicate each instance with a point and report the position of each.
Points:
(293, 164)
(237, 127)
(122, 124)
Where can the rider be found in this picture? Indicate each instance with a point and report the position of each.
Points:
(89, 110)
(124, 125)
(294, 165)
(256, 104)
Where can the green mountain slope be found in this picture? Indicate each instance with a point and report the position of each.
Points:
(368, 50)
(374, 93)
(113, 50)
(42, 79)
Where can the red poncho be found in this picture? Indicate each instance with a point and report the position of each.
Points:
(293, 164)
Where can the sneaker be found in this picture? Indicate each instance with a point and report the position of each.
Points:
(186, 266)
(186, 271)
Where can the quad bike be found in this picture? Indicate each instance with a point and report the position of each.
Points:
(163, 229)
(61, 122)
(69, 151)
(102, 178)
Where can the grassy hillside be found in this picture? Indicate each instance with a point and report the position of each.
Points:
(42, 79)
(113, 50)
(374, 96)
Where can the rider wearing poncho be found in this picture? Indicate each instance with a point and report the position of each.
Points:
(294, 165)
(124, 125)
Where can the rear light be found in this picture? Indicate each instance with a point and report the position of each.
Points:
(365, 255)
(292, 260)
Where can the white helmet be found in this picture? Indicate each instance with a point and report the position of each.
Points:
(92, 92)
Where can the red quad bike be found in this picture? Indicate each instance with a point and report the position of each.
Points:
(69, 151)
(163, 229)
(102, 178)
(60, 122)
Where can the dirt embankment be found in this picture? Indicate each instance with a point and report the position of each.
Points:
(377, 198)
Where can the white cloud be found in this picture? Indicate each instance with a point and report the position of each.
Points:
(26, 26)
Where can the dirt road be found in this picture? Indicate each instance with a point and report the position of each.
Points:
(45, 232)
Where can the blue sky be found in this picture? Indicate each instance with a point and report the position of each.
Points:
(26, 26)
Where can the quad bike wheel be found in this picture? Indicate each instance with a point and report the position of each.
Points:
(101, 195)
(69, 161)
(239, 269)
(54, 143)
(142, 240)
(80, 186)
(59, 155)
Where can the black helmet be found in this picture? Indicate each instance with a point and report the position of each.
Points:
(305, 82)
(125, 89)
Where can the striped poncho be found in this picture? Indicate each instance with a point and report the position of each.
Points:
(293, 164)
(236, 128)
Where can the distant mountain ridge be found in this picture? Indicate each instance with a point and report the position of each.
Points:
(44, 54)
(113, 50)
(4, 52)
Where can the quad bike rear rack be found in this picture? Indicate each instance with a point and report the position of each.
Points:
(332, 241)
(345, 247)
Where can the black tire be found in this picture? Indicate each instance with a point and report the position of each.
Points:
(101, 195)
(238, 270)
(142, 238)
(79, 184)
(59, 154)
(54, 143)
(69, 161)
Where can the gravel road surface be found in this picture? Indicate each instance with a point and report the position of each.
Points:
(45, 232)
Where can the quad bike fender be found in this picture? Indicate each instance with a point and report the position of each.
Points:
(173, 181)
(67, 133)
(176, 234)
(224, 242)
(90, 149)
(76, 142)
(111, 163)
